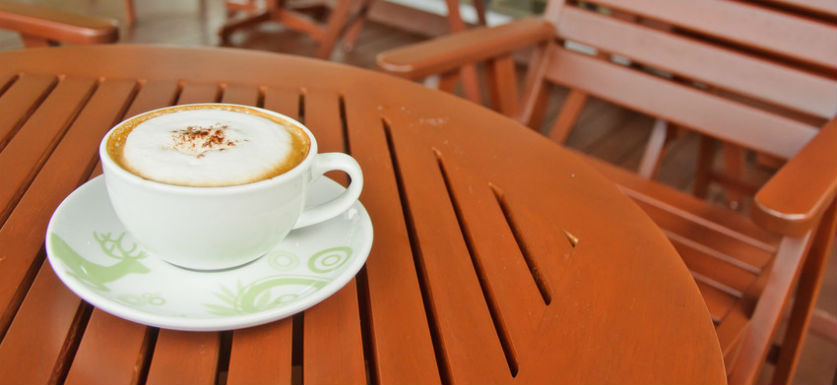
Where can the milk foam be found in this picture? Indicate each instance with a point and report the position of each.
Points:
(207, 147)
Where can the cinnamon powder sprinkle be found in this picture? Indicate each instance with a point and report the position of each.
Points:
(198, 140)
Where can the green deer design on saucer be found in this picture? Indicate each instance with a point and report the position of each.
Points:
(96, 275)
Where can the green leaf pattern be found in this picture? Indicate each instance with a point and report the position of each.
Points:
(263, 294)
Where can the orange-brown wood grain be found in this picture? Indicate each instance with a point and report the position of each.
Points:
(66, 168)
(20, 100)
(31, 146)
(400, 338)
(482, 269)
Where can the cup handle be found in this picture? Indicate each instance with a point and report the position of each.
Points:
(322, 164)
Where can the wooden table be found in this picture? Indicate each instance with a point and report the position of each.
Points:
(498, 257)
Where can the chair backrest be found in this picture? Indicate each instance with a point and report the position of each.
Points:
(757, 74)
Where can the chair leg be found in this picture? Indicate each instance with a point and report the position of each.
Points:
(336, 22)
(479, 5)
(535, 89)
(810, 280)
(245, 21)
(130, 12)
(447, 81)
(502, 85)
(703, 174)
(651, 159)
(568, 116)
(470, 80)
(734, 169)
(355, 27)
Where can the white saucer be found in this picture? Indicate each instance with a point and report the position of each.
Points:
(92, 254)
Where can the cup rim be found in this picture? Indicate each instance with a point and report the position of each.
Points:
(113, 166)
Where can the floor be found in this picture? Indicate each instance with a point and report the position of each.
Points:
(604, 130)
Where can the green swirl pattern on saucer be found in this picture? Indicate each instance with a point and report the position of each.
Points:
(92, 254)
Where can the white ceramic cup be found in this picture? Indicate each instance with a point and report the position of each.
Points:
(211, 228)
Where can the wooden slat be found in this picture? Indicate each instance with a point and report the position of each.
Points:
(502, 85)
(6, 80)
(826, 7)
(738, 72)
(718, 302)
(262, 355)
(469, 345)
(40, 329)
(568, 116)
(282, 100)
(333, 347)
(402, 347)
(765, 318)
(184, 358)
(514, 297)
(23, 233)
(721, 242)
(709, 114)
(199, 93)
(111, 350)
(20, 100)
(168, 365)
(772, 31)
(730, 332)
(696, 210)
(706, 265)
(239, 94)
(27, 151)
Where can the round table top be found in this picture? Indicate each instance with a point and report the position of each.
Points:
(498, 257)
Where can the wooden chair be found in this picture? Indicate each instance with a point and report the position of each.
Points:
(346, 18)
(40, 26)
(749, 75)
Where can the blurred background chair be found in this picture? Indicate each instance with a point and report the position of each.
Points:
(42, 26)
(346, 16)
(754, 77)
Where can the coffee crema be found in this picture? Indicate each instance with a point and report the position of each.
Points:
(208, 145)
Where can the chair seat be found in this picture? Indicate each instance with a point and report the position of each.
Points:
(727, 254)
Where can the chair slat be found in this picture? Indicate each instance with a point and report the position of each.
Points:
(825, 7)
(764, 29)
(718, 301)
(708, 64)
(706, 265)
(709, 114)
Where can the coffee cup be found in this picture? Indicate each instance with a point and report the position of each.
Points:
(207, 187)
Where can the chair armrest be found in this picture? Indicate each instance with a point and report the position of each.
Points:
(452, 51)
(55, 25)
(793, 200)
